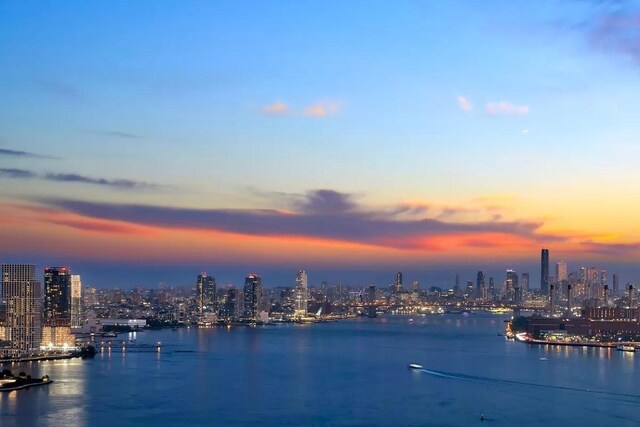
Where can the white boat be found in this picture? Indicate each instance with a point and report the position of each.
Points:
(625, 348)
(543, 359)
(415, 366)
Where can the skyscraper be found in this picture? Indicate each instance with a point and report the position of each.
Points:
(480, 285)
(456, 287)
(397, 287)
(592, 282)
(229, 311)
(561, 271)
(253, 294)
(206, 293)
(57, 296)
(544, 272)
(76, 301)
(511, 289)
(616, 283)
(492, 289)
(301, 293)
(22, 292)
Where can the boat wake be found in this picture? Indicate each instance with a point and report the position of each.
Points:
(474, 378)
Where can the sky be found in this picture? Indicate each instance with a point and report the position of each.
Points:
(143, 142)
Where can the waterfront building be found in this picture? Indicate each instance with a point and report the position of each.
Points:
(23, 295)
(301, 293)
(206, 293)
(77, 315)
(544, 271)
(253, 295)
(57, 337)
(229, 309)
(62, 298)
(57, 296)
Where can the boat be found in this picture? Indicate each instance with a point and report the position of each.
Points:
(543, 359)
(623, 347)
(415, 366)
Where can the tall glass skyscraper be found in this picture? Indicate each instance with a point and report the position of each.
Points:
(206, 293)
(62, 297)
(544, 272)
(57, 296)
(253, 295)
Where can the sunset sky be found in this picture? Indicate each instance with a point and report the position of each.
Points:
(142, 142)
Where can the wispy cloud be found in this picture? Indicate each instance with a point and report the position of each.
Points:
(324, 214)
(119, 134)
(464, 103)
(504, 108)
(17, 173)
(125, 184)
(278, 108)
(20, 153)
(323, 109)
(117, 183)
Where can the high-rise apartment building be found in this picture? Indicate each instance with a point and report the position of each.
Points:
(77, 317)
(301, 293)
(57, 296)
(23, 295)
(253, 295)
(229, 310)
(616, 283)
(206, 293)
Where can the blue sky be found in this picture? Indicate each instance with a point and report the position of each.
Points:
(230, 105)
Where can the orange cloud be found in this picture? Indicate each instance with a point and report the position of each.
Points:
(276, 109)
(323, 109)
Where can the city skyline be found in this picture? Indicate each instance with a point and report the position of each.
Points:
(172, 141)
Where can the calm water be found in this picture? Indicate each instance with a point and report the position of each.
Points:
(350, 373)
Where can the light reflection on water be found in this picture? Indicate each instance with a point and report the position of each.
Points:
(345, 373)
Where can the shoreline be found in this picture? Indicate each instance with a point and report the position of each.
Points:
(528, 340)
(43, 358)
(8, 389)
